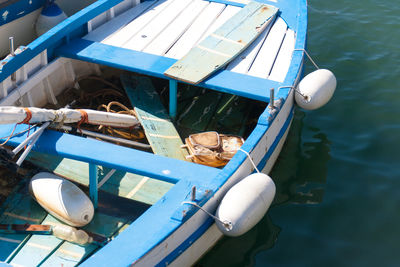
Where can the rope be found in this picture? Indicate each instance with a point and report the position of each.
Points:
(9, 137)
(227, 224)
(25, 121)
(84, 119)
(251, 160)
(28, 116)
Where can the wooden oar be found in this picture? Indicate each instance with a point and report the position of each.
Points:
(42, 229)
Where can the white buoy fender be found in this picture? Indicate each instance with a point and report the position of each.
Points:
(316, 89)
(62, 199)
(245, 204)
(50, 16)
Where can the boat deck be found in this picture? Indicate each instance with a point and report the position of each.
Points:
(153, 35)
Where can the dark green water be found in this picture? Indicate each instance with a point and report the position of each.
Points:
(338, 176)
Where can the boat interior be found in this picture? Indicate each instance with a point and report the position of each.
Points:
(112, 68)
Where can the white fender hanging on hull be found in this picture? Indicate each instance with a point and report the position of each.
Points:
(245, 204)
(316, 89)
(62, 199)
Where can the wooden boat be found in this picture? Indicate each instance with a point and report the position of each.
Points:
(20, 17)
(155, 204)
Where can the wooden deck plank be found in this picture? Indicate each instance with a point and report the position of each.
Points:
(126, 33)
(282, 63)
(69, 254)
(193, 34)
(109, 28)
(162, 43)
(265, 59)
(159, 130)
(157, 25)
(148, 64)
(51, 251)
(116, 157)
(242, 63)
(226, 14)
(224, 44)
(20, 208)
(120, 183)
(38, 247)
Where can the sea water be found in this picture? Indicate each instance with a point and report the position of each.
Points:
(338, 176)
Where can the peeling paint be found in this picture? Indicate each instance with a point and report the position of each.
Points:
(5, 15)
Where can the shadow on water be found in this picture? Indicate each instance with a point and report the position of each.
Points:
(300, 176)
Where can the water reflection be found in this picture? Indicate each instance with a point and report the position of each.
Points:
(301, 169)
(300, 176)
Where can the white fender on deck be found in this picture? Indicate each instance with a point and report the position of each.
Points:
(50, 16)
(316, 89)
(62, 199)
(245, 204)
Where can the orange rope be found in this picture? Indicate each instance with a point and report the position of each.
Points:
(8, 139)
(28, 116)
(25, 121)
(84, 119)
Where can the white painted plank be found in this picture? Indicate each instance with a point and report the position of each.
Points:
(242, 63)
(282, 63)
(262, 65)
(228, 12)
(163, 42)
(109, 28)
(126, 33)
(156, 26)
(195, 31)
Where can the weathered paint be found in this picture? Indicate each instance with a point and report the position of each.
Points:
(227, 42)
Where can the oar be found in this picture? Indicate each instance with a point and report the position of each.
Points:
(34, 139)
(64, 232)
(29, 138)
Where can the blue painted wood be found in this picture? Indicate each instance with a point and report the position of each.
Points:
(93, 181)
(222, 46)
(17, 9)
(54, 37)
(19, 208)
(173, 90)
(112, 156)
(148, 64)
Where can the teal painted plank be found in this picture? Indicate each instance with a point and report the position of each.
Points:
(121, 183)
(227, 42)
(69, 254)
(159, 130)
(52, 251)
(38, 247)
(20, 208)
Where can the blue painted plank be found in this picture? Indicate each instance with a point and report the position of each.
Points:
(121, 183)
(12, 10)
(55, 35)
(222, 46)
(112, 156)
(38, 247)
(148, 64)
(20, 208)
